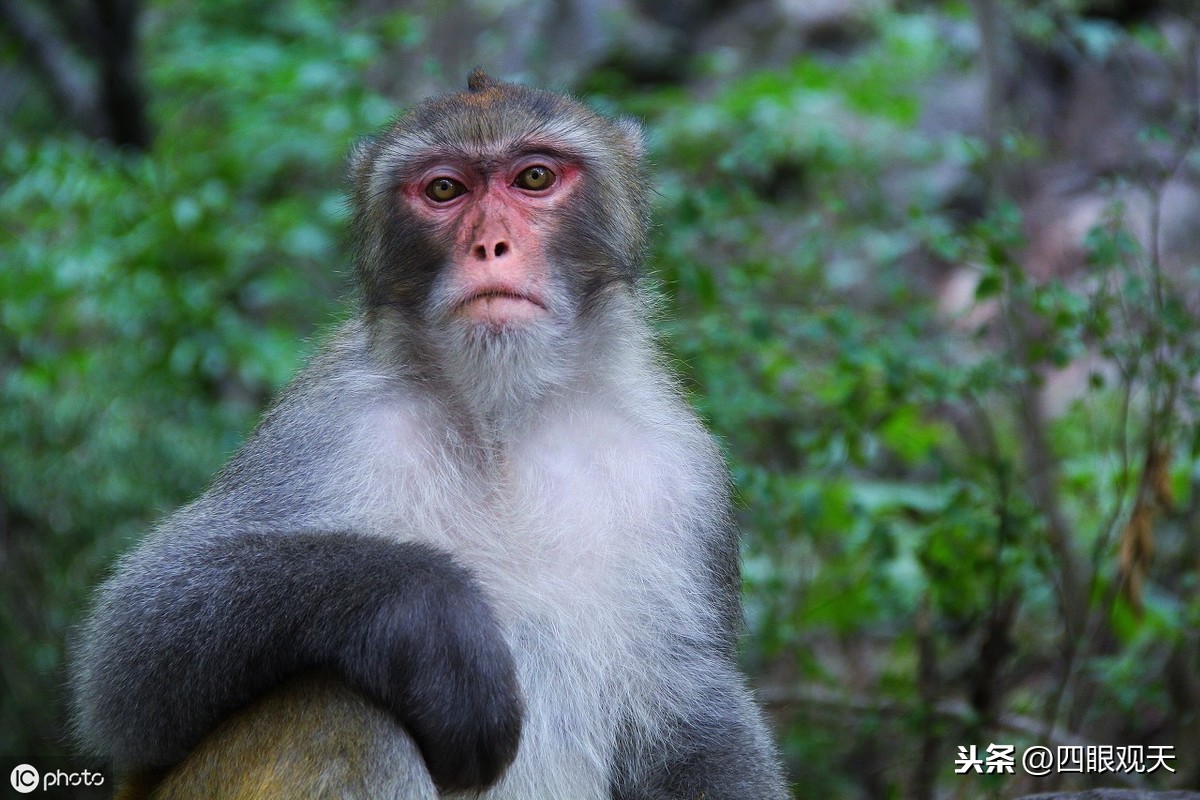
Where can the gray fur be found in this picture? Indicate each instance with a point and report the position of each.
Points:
(553, 481)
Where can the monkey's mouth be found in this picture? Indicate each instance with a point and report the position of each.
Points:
(501, 307)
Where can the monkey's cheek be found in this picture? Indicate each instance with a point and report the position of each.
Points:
(502, 312)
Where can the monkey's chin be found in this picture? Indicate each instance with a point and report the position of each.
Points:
(502, 312)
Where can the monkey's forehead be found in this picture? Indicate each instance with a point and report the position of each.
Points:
(495, 120)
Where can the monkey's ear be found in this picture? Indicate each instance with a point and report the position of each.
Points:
(634, 136)
(479, 81)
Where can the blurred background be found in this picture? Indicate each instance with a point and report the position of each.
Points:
(931, 271)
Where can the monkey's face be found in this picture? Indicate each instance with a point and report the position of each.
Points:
(494, 218)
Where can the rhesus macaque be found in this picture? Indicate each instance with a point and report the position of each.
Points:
(480, 543)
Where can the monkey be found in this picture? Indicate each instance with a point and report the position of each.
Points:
(481, 543)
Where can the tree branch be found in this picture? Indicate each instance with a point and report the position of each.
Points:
(68, 82)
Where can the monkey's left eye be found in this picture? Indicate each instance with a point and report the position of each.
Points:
(443, 190)
(536, 178)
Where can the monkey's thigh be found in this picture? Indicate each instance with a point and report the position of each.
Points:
(312, 738)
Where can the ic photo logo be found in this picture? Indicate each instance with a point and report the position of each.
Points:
(24, 778)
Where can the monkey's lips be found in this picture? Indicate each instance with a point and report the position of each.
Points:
(502, 307)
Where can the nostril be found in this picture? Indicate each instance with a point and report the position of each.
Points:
(480, 252)
(501, 248)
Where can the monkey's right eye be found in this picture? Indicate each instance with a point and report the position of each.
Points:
(443, 190)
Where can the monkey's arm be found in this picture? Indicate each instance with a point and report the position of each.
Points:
(720, 748)
(190, 630)
(722, 751)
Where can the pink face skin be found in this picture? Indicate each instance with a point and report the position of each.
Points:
(496, 218)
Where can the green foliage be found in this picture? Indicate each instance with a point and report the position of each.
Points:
(885, 459)
(153, 303)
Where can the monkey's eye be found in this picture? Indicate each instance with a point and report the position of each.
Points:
(536, 178)
(443, 190)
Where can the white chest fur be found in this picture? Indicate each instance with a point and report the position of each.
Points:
(581, 534)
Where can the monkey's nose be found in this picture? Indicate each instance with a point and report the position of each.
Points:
(483, 252)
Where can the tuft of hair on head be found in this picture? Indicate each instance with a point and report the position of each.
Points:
(480, 81)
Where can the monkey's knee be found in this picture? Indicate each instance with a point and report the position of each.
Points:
(312, 738)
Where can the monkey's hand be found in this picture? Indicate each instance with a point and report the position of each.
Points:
(434, 655)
